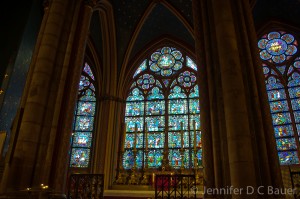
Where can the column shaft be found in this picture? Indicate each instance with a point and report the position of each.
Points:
(241, 163)
(199, 25)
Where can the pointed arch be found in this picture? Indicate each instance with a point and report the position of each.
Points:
(160, 117)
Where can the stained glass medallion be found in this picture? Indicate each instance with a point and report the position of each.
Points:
(277, 47)
(166, 61)
(86, 108)
(80, 157)
(187, 79)
(82, 139)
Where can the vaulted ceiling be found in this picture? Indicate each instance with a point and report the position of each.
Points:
(138, 22)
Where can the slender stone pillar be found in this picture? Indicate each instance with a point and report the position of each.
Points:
(199, 25)
(274, 167)
(240, 154)
(61, 145)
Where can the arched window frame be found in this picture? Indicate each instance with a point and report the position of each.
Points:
(83, 136)
(278, 71)
(165, 89)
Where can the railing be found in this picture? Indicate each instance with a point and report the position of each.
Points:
(82, 186)
(295, 178)
(175, 186)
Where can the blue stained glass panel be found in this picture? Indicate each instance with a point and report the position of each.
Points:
(175, 122)
(279, 106)
(84, 123)
(128, 159)
(80, 157)
(298, 129)
(156, 140)
(134, 108)
(194, 106)
(288, 157)
(288, 38)
(155, 123)
(198, 139)
(129, 140)
(135, 95)
(276, 95)
(282, 131)
(155, 158)
(194, 92)
(273, 83)
(175, 158)
(265, 55)
(141, 68)
(88, 70)
(158, 84)
(279, 59)
(174, 139)
(291, 69)
(89, 95)
(294, 80)
(131, 121)
(281, 118)
(155, 93)
(266, 70)
(176, 92)
(195, 118)
(190, 63)
(286, 144)
(297, 116)
(86, 108)
(178, 106)
(155, 107)
(296, 104)
(82, 139)
(294, 92)
(281, 69)
(199, 158)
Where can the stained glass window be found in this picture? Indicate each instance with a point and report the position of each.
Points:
(281, 69)
(162, 114)
(82, 136)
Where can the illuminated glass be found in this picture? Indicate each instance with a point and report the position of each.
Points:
(82, 136)
(164, 96)
(282, 83)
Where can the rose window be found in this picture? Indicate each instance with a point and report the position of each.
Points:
(166, 61)
(187, 79)
(146, 81)
(277, 47)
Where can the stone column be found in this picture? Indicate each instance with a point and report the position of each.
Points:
(20, 172)
(239, 139)
(199, 25)
(58, 153)
(274, 167)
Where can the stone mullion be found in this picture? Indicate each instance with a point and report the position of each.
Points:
(276, 178)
